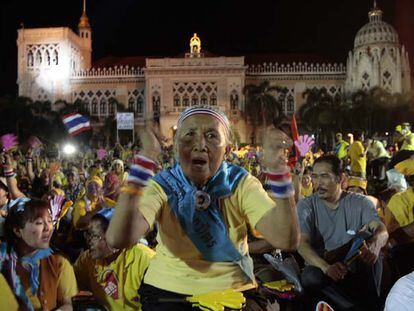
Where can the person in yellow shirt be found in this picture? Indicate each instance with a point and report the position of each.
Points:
(358, 156)
(405, 136)
(203, 207)
(341, 147)
(113, 276)
(90, 203)
(399, 219)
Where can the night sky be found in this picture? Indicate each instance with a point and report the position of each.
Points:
(163, 28)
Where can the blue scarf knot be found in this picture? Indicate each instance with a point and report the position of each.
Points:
(205, 227)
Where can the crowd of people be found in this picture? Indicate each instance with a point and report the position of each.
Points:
(200, 224)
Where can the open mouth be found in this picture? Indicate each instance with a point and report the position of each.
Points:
(199, 162)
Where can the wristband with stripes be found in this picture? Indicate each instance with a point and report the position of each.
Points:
(279, 184)
(9, 173)
(141, 170)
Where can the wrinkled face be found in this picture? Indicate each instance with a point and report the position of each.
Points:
(325, 182)
(37, 233)
(201, 141)
(95, 236)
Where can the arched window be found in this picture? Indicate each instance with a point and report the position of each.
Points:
(30, 59)
(102, 107)
(203, 100)
(111, 106)
(55, 59)
(156, 106)
(94, 106)
(131, 104)
(140, 105)
(234, 100)
(290, 105)
(176, 100)
(194, 100)
(213, 100)
(186, 100)
(47, 56)
(38, 58)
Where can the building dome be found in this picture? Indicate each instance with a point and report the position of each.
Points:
(376, 31)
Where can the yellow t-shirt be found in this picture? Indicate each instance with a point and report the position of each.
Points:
(401, 206)
(115, 285)
(343, 149)
(178, 266)
(358, 158)
(305, 192)
(408, 143)
(7, 299)
(67, 286)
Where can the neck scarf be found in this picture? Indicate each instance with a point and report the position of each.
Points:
(32, 263)
(204, 226)
(8, 261)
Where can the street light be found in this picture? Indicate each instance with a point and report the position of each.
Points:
(69, 149)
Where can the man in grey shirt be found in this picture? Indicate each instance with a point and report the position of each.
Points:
(329, 219)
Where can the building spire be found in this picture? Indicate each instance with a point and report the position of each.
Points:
(375, 14)
(84, 21)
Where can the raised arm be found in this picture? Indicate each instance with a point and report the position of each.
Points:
(128, 224)
(11, 177)
(279, 226)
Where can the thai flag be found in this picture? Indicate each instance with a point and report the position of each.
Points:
(76, 123)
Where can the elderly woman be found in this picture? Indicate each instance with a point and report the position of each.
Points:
(204, 208)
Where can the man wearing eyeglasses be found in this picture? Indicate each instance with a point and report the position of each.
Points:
(330, 220)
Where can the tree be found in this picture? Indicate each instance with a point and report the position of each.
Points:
(264, 103)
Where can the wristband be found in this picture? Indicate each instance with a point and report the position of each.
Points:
(141, 170)
(9, 173)
(279, 184)
(29, 159)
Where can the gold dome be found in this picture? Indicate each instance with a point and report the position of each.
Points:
(84, 21)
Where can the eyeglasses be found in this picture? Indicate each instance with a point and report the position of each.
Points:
(92, 237)
(325, 177)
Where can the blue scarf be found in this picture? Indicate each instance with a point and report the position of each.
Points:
(205, 228)
(8, 261)
(32, 263)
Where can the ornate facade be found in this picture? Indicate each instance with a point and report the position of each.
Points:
(55, 63)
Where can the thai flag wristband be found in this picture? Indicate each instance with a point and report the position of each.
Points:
(141, 170)
(9, 173)
(279, 184)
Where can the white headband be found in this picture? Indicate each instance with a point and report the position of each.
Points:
(207, 111)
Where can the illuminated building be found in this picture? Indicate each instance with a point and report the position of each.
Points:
(55, 63)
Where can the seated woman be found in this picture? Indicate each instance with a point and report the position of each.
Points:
(39, 279)
(113, 276)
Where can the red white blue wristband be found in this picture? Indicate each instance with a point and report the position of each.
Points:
(279, 184)
(141, 170)
(9, 173)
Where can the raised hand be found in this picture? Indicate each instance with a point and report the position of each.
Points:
(56, 206)
(150, 140)
(304, 143)
(275, 145)
(9, 141)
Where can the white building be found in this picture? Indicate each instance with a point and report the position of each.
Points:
(55, 63)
